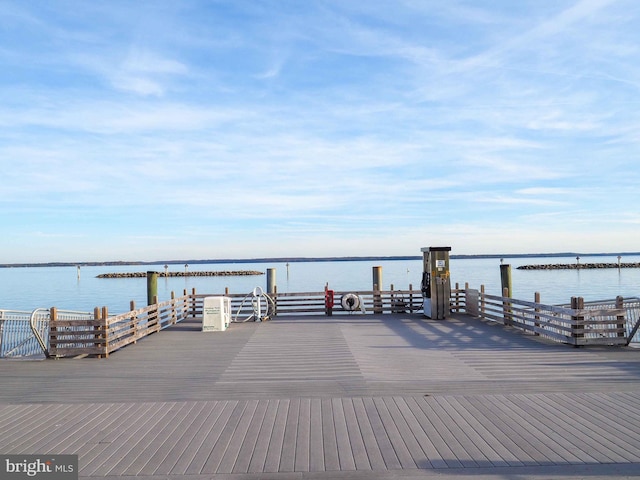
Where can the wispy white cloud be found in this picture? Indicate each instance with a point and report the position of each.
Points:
(338, 128)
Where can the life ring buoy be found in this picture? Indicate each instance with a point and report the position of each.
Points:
(350, 302)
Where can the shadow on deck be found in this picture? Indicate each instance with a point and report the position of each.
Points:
(359, 396)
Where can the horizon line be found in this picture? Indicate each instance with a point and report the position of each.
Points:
(304, 259)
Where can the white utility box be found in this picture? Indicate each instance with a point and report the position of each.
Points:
(216, 314)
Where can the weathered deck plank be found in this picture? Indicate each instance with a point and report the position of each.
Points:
(130, 462)
(445, 458)
(459, 426)
(222, 443)
(607, 441)
(314, 396)
(343, 445)
(374, 455)
(178, 449)
(248, 443)
(355, 438)
(529, 428)
(316, 446)
(488, 433)
(259, 455)
(195, 445)
(165, 443)
(533, 408)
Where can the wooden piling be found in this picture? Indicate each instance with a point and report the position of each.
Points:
(271, 280)
(505, 279)
(152, 287)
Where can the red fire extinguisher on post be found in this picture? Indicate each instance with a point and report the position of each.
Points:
(328, 301)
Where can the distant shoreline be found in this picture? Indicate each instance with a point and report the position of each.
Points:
(306, 259)
(225, 273)
(579, 266)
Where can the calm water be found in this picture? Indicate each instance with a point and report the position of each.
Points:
(29, 288)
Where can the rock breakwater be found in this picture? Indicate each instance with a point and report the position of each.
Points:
(225, 273)
(576, 266)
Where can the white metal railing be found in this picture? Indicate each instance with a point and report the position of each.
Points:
(17, 337)
(25, 334)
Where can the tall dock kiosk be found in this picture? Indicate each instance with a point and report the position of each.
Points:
(436, 282)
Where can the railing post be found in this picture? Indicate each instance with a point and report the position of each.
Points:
(456, 300)
(105, 330)
(482, 301)
(392, 300)
(174, 315)
(377, 299)
(97, 328)
(193, 303)
(620, 318)
(156, 312)
(377, 285)
(466, 297)
(536, 299)
(410, 298)
(53, 331)
(577, 327)
(275, 300)
(506, 307)
(134, 320)
(466, 289)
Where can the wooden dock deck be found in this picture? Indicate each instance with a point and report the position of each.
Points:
(394, 396)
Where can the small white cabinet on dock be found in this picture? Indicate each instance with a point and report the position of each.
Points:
(216, 314)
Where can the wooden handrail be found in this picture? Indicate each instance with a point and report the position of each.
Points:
(103, 334)
(575, 325)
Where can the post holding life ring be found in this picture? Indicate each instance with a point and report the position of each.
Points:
(328, 301)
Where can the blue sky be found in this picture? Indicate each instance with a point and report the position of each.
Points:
(151, 130)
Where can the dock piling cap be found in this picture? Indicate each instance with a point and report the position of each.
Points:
(435, 249)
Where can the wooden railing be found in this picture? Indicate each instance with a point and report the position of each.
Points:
(576, 324)
(313, 303)
(100, 334)
(103, 334)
